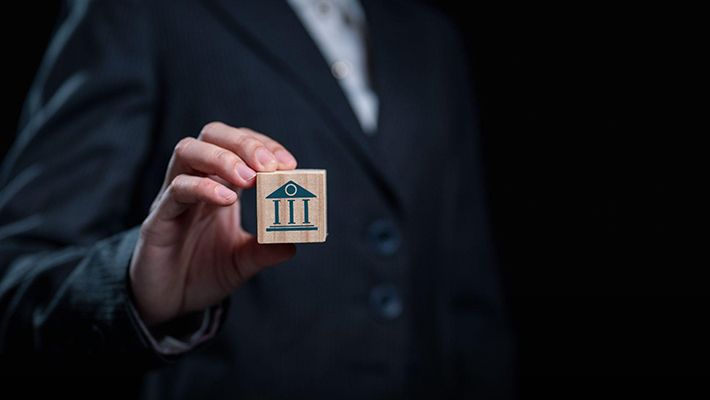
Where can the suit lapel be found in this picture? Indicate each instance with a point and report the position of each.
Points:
(277, 34)
(397, 77)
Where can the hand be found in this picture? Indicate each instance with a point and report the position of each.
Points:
(192, 251)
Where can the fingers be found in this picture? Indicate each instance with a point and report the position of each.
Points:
(284, 157)
(192, 155)
(260, 152)
(232, 154)
(186, 190)
(223, 157)
(252, 257)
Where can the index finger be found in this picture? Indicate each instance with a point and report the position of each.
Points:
(262, 153)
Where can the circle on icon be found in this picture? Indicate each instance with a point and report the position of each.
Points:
(292, 186)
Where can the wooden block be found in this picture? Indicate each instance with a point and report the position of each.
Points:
(291, 206)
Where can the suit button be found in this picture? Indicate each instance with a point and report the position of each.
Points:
(384, 237)
(386, 302)
(340, 69)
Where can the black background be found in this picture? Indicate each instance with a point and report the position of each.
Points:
(578, 177)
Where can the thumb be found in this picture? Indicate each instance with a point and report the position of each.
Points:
(250, 257)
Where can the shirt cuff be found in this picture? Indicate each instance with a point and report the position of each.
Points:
(169, 345)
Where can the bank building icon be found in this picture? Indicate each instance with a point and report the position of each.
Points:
(291, 208)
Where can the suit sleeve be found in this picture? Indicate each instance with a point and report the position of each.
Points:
(66, 187)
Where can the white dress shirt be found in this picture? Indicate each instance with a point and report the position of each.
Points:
(339, 29)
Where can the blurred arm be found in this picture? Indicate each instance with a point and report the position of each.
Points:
(67, 183)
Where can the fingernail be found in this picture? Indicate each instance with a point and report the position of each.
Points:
(284, 157)
(264, 156)
(245, 172)
(225, 193)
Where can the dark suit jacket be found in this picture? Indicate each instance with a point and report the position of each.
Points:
(402, 300)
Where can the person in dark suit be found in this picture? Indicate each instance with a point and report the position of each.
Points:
(138, 98)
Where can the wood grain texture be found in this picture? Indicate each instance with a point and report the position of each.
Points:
(291, 206)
